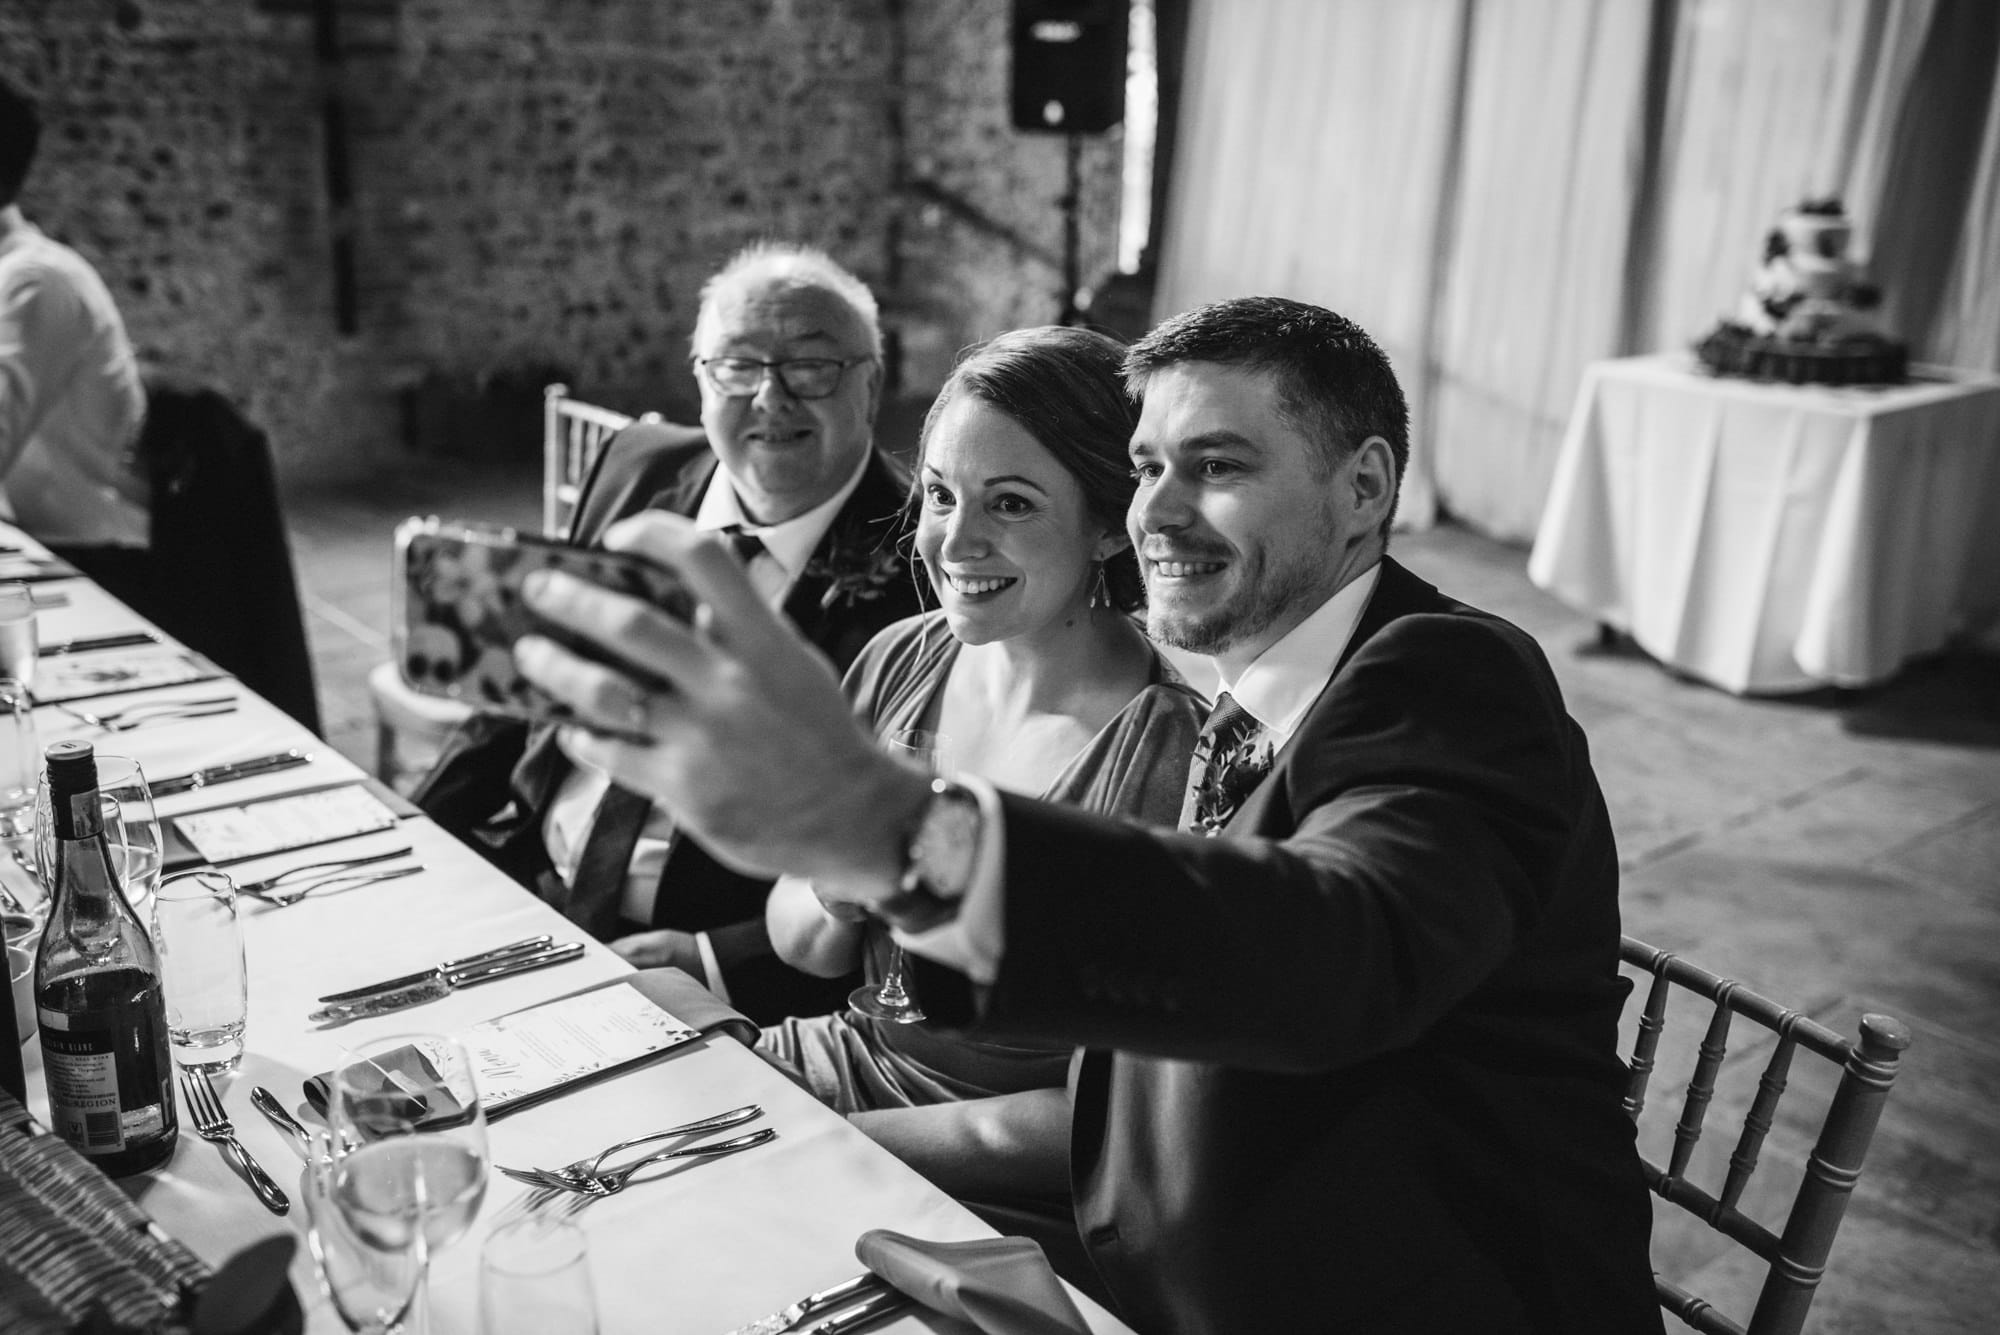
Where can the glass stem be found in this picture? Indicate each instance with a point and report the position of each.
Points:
(891, 991)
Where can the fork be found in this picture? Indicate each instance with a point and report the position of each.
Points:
(212, 1123)
(617, 1179)
(538, 1177)
(256, 889)
(170, 716)
(285, 898)
(146, 706)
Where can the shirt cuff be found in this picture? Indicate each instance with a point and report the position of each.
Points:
(711, 966)
(974, 940)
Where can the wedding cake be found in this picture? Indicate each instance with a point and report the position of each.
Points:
(1808, 316)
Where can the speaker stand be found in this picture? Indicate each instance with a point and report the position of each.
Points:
(1072, 201)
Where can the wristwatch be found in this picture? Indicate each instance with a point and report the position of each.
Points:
(940, 854)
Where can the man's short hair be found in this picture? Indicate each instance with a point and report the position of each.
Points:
(20, 132)
(1335, 386)
(786, 261)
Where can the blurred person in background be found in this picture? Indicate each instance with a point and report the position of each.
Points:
(70, 396)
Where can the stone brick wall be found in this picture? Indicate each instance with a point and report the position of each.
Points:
(538, 188)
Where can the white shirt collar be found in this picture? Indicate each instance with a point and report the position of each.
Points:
(1281, 684)
(789, 543)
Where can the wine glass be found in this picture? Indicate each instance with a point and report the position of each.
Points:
(20, 761)
(130, 829)
(375, 1289)
(19, 645)
(411, 1138)
(890, 999)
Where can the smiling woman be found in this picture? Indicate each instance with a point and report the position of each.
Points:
(1045, 685)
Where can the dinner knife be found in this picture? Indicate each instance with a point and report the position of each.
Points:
(526, 946)
(264, 1101)
(785, 1318)
(85, 643)
(239, 769)
(442, 986)
(869, 1310)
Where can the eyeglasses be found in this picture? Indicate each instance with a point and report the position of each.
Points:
(802, 377)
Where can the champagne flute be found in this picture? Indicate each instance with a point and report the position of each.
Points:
(19, 645)
(890, 1000)
(411, 1132)
(374, 1289)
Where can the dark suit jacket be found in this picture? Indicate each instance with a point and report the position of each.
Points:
(1366, 1074)
(495, 780)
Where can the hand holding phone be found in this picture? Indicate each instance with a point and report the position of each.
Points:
(459, 590)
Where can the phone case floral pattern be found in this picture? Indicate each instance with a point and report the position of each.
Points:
(462, 610)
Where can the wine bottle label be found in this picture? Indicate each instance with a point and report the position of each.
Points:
(86, 816)
(82, 1071)
(80, 1066)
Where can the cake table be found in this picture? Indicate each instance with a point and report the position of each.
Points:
(1772, 538)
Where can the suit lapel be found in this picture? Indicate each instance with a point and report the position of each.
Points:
(856, 549)
(1397, 593)
(683, 497)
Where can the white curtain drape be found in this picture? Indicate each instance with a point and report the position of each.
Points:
(1313, 166)
(1532, 291)
(1503, 190)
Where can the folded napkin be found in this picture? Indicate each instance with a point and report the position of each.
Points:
(681, 995)
(404, 1092)
(1004, 1286)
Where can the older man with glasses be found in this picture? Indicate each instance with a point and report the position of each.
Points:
(787, 353)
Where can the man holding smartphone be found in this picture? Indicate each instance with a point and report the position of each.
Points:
(787, 353)
(1351, 1031)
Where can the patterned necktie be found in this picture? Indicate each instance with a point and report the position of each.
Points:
(1228, 763)
(745, 545)
(597, 890)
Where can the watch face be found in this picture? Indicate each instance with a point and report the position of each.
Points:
(946, 845)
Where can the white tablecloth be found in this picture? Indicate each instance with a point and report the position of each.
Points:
(701, 1251)
(1771, 537)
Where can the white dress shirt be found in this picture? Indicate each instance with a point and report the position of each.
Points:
(1276, 689)
(788, 547)
(70, 397)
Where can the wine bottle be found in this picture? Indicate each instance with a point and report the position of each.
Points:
(97, 991)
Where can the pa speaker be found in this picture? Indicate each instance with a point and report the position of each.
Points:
(1069, 65)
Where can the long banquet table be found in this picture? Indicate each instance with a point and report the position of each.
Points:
(699, 1251)
(1768, 537)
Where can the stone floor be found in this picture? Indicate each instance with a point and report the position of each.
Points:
(1839, 852)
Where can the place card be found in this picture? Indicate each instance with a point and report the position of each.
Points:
(531, 1055)
(223, 835)
(534, 1054)
(68, 677)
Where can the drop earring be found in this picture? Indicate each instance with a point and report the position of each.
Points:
(1100, 592)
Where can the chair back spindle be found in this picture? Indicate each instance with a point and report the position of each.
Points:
(1796, 1255)
(574, 434)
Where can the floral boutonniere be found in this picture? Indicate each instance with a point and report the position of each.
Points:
(856, 571)
(1227, 780)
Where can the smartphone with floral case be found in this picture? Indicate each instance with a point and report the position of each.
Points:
(458, 587)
